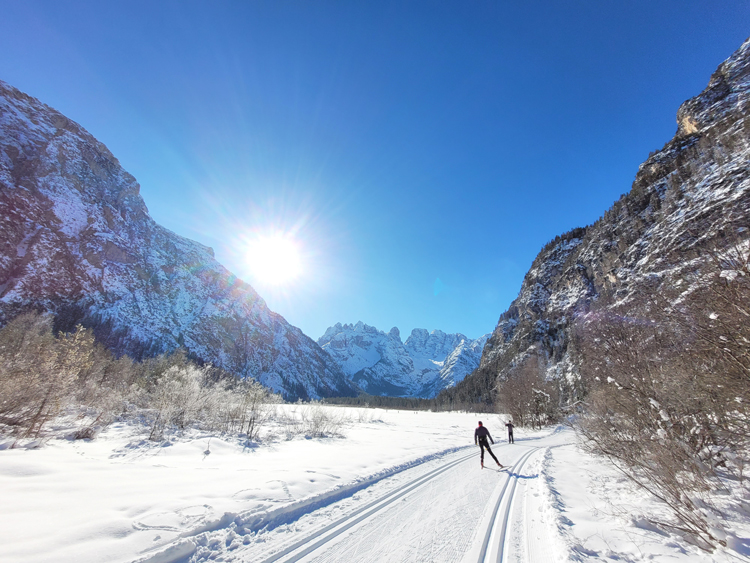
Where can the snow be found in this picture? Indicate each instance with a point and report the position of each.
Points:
(392, 486)
(68, 206)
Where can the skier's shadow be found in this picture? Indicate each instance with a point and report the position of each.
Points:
(520, 476)
(742, 545)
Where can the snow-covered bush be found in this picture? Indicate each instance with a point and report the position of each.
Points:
(177, 398)
(669, 391)
(319, 421)
(312, 420)
(41, 374)
(188, 395)
(241, 406)
(31, 388)
(364, 416)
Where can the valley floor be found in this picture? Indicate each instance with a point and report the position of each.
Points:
(395, 486)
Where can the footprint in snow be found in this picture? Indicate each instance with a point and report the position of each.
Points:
(178, 521)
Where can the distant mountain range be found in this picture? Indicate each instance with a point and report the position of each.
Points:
(381, 364)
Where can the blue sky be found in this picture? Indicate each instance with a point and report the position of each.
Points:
(421, 153)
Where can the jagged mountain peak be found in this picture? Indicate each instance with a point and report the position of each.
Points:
(436, 344)
(380, 363)
(395, 334)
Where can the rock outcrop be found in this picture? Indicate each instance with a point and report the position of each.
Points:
(685, 197)
(76, 239)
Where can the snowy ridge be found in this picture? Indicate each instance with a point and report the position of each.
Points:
(381, 364)
(76, 239)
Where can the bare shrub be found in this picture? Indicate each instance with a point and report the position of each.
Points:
(526, 395)
(312, 420)
(290, 422)
(41, 375)
(27, 347)
(319, 421)
(178, 396)
(364, 416)
(255, 407)
(669, 397)
(184, 394)
(242, 406)
(38, 372)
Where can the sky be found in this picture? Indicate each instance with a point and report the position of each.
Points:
(417, 154)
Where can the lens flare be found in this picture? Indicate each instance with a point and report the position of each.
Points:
(274, 260)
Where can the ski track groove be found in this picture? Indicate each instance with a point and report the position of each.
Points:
(357, 516)
(507, 494)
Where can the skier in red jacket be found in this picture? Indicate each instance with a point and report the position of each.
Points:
(480, 436)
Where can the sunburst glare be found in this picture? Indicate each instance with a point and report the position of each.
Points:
(274, 259)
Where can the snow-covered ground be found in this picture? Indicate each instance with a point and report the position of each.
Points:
(395, 486)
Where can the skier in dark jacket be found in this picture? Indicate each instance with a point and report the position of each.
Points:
(509, 424)
(480, 436)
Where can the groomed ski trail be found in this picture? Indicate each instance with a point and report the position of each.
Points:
(445, 510)
(331, 534)
(456, 513)
(497, 531)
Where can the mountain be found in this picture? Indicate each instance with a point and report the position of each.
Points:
(76, 239)
(380, 364)
(685, 198)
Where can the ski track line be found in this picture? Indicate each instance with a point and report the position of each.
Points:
(507, 495)
(183, 546)
(357, 516)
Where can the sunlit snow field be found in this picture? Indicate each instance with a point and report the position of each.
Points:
(123, 498)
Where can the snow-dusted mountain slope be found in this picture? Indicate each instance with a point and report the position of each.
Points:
(685, 197)
(76, 239)
(383, 365)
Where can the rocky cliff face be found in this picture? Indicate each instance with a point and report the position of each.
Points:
(76, 239)
(685, 197)
(381, 364)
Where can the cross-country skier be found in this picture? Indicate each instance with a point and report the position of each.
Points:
(480, 436)
(509, 424)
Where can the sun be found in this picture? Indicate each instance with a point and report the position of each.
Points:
(274, 260)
